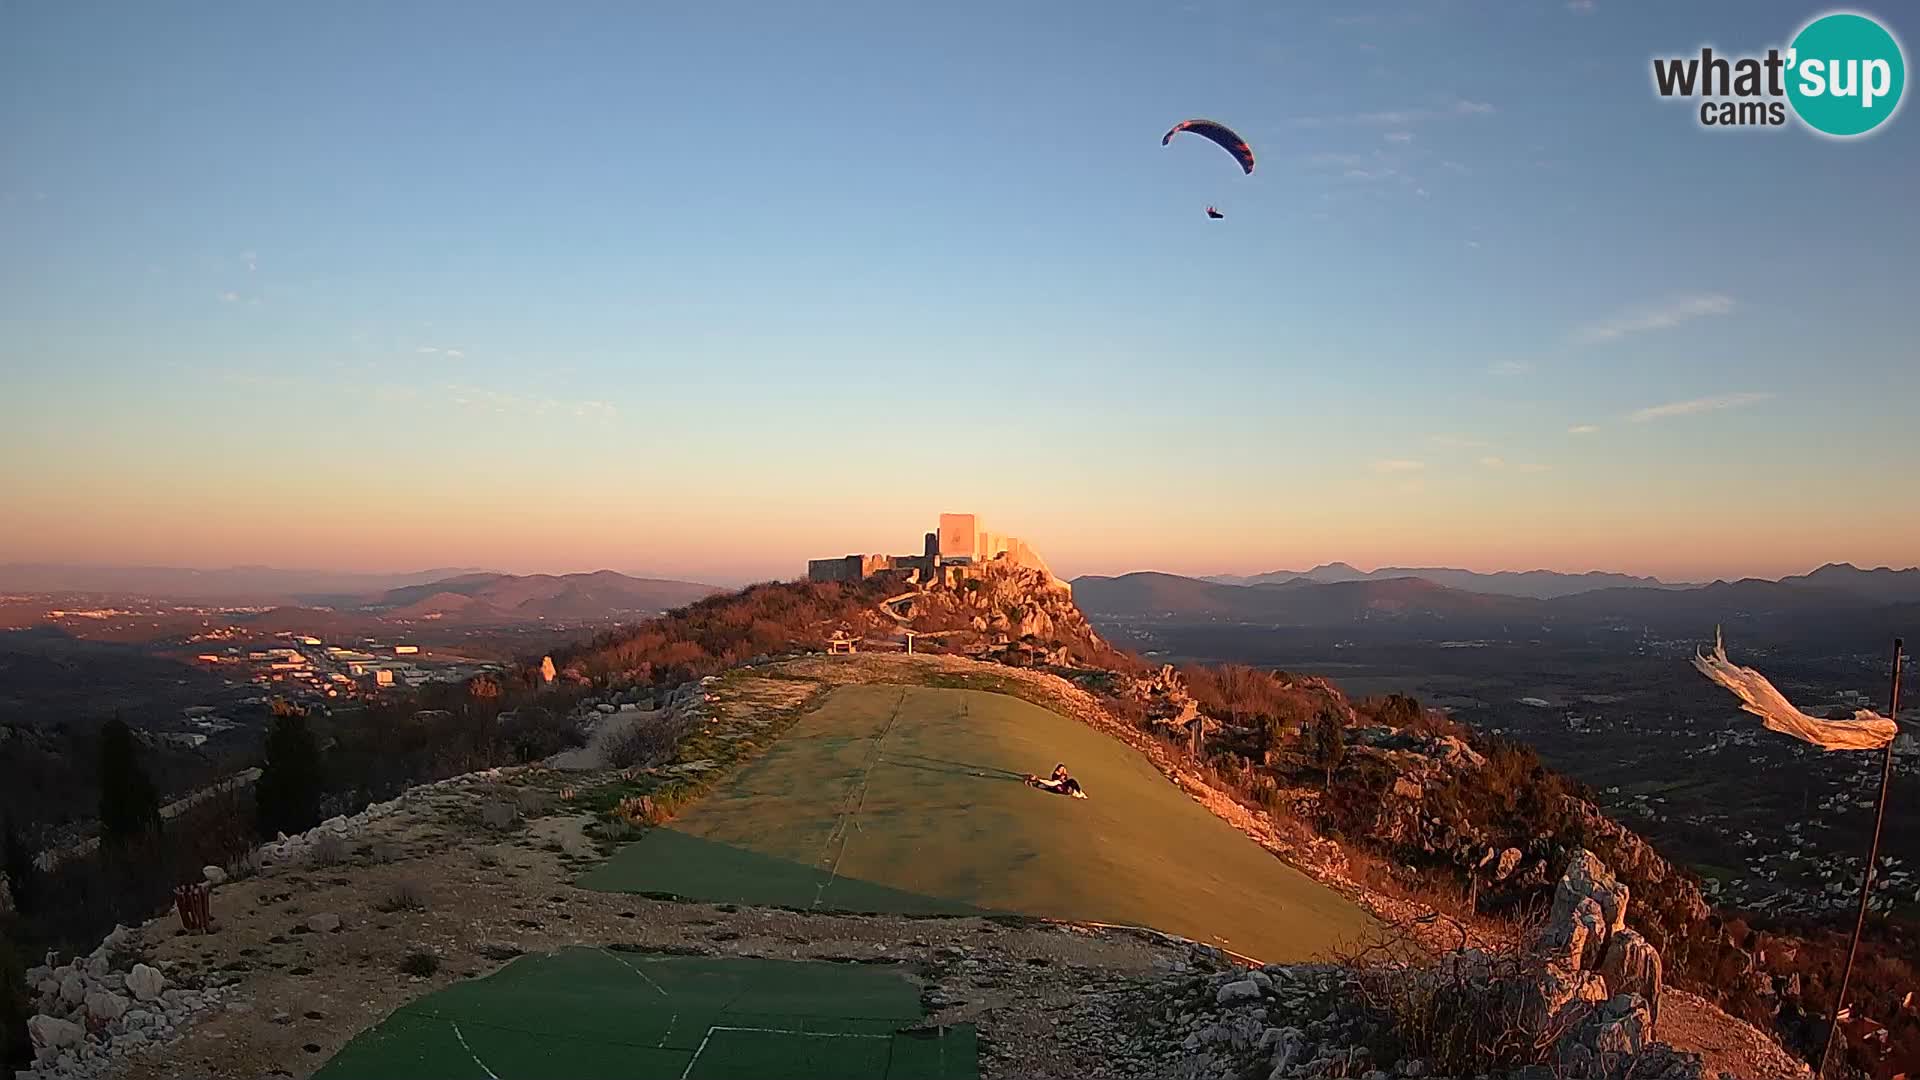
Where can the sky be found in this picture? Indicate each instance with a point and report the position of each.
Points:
(707, 289)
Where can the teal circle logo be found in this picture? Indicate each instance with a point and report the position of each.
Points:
(1845, 74)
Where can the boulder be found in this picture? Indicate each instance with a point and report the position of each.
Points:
(1587, 877)
(1611, 1036)
(1509, 861)
(1237, 992)
(1631, 965)
(145, 983)
(1557, 995)
(50, 1034)
(73, 988)
(1577, 940)
(105, 1006)
(324, 923)
(213, 875)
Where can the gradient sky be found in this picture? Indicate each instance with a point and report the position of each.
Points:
(706, 289)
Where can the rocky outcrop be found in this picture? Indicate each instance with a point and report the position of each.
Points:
(94, 1010)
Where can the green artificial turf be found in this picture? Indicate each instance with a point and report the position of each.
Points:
(910, 800)
(596, 1012)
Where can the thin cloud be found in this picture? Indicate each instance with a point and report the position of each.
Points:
(1698, 405)
(1510, 367)
(1458, 442)
(1398, 136)
(1493, 461)
(1401, 120)
(1583, 429)
(1455, 167)
(455, 354)
(1398, 465)
(1580, 7)
(229, 297)
(1369, 176)
(1532, 467)
(426, 349)
(1660, 316)
(252, 261)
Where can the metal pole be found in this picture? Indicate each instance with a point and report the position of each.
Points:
(1866, 879)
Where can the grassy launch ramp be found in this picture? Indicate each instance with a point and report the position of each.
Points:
(909, 800)
(595, 1012)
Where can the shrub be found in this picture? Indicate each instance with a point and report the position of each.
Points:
(420, 964)
(328, 849)
(644, 743)
(287, 795)
(16, 1003)
(129, 803)
(403, 895)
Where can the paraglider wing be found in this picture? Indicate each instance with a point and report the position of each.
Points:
(1214, 214)
(1220, 134)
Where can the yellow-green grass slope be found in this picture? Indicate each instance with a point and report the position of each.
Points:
(909, 800)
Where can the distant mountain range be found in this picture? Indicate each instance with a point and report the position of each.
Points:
(465, 596)
(233, 584)
(1539, 584)
(494, 598)
(1834, 595)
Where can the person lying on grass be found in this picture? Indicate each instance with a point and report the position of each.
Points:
(1059, 783)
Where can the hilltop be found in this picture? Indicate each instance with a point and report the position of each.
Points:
(1403, 815)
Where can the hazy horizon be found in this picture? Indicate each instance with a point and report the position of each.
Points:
(799, 569)
(717, 290)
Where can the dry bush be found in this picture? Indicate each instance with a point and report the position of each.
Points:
(329, 849)
(403, 895)
(534, 801)
(422, 964)
(1464, 1014)
(646, 742)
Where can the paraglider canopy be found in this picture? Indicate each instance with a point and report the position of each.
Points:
(1214, 214)
(1220, 134)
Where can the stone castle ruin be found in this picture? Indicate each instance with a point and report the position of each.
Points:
(949, 555)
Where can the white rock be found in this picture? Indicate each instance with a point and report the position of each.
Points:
(145, 983)
(214, 875)
(324, 923)
(97, 965)
(52, 1034)
(1236, 992)
(73, 988)
(103, 1005)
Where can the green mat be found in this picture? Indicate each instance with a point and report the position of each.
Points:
(594, 1012)
(910, 800)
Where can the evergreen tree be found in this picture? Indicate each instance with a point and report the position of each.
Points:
(16, 1004)
(18, 865)
(287, 795)
(129, 803)
(1329, 741)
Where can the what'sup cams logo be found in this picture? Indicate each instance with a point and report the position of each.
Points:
(1842, 76)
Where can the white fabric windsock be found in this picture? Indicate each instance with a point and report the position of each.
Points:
(1867, 730)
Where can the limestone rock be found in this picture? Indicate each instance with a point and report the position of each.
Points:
(1509, 861)
(105, 1006)
(145, 983)
(1588, 877)
(1631, 965)
(73, 988)
(51, 1034)
(1238, 991)
(1577, 940)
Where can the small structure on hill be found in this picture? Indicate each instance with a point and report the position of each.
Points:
(946, 554)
